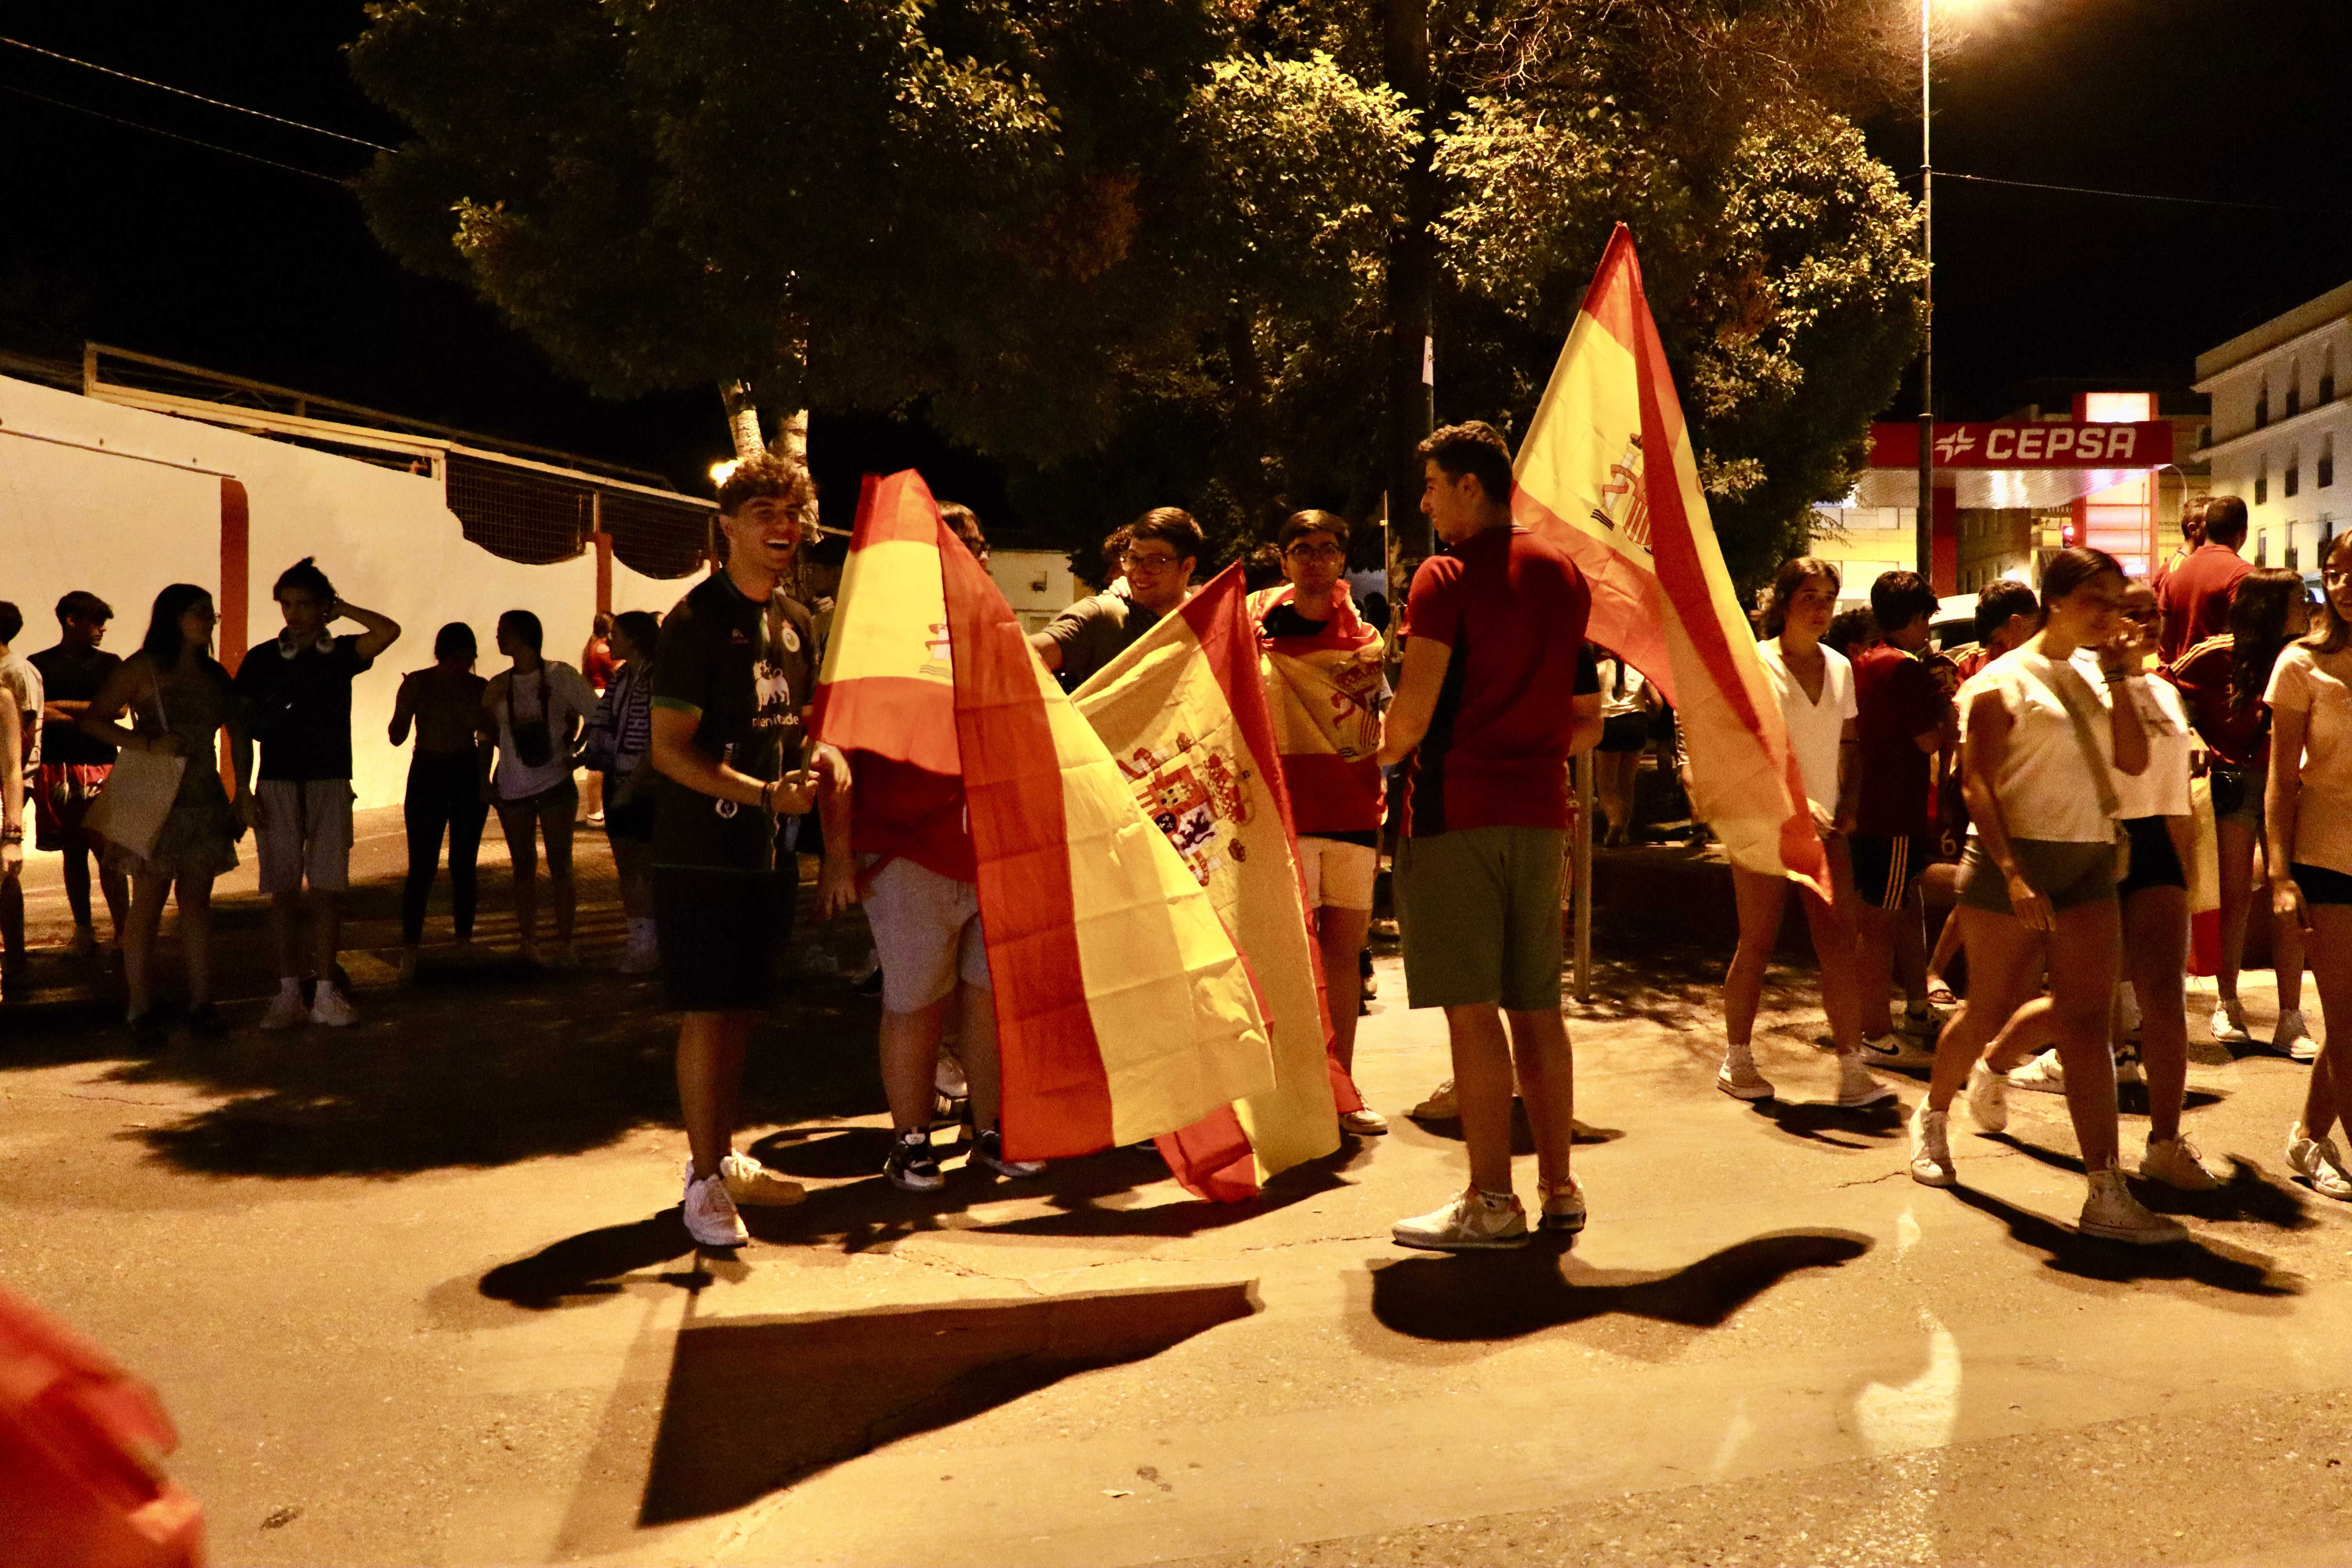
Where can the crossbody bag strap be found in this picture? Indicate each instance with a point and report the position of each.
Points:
(2102, 776)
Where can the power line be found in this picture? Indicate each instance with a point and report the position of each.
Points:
(2142, 196)
(158, 131)
(200, 98)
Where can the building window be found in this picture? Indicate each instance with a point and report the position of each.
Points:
(2262, 486)
(2263, 406)
(2327, 378)
(2327, 474)
(2290, 562)
(2262, 547)
(2293, 475)
(2293, 394)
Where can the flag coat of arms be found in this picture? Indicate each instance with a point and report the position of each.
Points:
(1184, 713)
(1607, 473)
(1123, 1009)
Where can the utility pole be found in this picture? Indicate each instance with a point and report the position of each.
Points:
(1926, 530)
(1412, 264)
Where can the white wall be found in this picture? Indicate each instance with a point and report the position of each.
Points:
(1018, 574)
(123, 529)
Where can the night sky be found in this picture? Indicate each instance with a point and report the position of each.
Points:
(118, 235)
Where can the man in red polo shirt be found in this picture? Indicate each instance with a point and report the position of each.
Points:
(2197, 593)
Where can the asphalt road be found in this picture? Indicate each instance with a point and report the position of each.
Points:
(417, 1293)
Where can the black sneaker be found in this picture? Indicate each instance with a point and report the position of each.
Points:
(912, 1167)
(206, 1023)
(988, 1148)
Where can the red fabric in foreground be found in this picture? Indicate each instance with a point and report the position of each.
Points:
(1056, 1095)
(78, 1440)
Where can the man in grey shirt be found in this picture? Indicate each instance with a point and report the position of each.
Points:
(1162, 548)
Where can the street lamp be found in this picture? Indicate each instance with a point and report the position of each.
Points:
(1926, 519)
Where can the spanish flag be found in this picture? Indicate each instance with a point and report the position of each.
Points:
(1184, 713)
(1123, 1010)
(1607, 473)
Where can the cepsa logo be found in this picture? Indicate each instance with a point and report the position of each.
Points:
(2048, 444)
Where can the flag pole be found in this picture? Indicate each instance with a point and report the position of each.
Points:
(1581, 863)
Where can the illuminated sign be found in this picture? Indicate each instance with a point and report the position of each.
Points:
(2070, 444)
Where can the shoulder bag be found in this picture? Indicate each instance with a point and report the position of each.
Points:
(139, 793)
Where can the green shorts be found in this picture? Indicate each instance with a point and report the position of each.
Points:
(1479, 911)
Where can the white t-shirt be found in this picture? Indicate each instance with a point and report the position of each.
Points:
(2163, 789)
(1616, 704)
(2307, 682)
(558, 693)
(1815, 729)
(22, 684)
(2045, 786)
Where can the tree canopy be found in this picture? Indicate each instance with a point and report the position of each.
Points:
(1137, 250)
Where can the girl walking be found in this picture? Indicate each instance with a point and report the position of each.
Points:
(532, 712)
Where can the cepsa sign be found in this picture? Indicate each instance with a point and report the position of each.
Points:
(2053, 445)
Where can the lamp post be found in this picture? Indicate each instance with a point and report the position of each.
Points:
(1927, 522)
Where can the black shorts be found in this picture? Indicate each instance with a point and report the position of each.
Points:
(2238, 795)
(2321, 886)
(1885, 865)
(2155, 863)
(721, 934)
(1625, 732)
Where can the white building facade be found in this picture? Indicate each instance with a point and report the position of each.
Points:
(2281, 417)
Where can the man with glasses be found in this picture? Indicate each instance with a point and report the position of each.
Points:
(1163, 546)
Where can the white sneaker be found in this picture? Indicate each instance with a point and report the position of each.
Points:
(710, 1217)
(2174, 1162)
(1738, 1077)
(2317, 1162)
(2293, 1038)
(1470, 1223)
(1441, 1105)
(407, 966)
(1563, 1207)
(286, 1010)
(749, 1181)
(329, 1006)
(1364, 1123)
(1988, 1098)
(84, 942)
(2111, 1213)
(1897, 1049)
(2128, 1064)
(2126, 1012)
(1931, 1150)
(1923, 1025)
(948, 1078)
(2045, 1074)
(636, 960)
(2230, 1024)
(1856, 1088)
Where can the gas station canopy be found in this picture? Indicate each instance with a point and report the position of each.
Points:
(2042, 466)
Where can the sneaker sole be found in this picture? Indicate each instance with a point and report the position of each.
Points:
(918, 1184)
(1935, 1178)
(1570, 1224)
(1750, 1092)
(2037, 1086)
(748, 1200)
(1503, 1243)
(2131, 1236)
(1866, 1101)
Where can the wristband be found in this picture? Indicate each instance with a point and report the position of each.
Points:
(13, 834)
(768, 797)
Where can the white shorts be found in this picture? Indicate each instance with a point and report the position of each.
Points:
(1339, 874)
(305, 835)
(927, 934)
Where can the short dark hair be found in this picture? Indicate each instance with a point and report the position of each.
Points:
(960, 517)
(770, 474)
(305, 576)
(1262, 567)
(83, 605)
(1473, 448)
(2000, 599)
(12, 621)
(2070, 569)
(1852, 629)
(525, 627)
(1172, 526)
(1898, 598)
(2225, 521)
(454, 638)
(1302, 524)
(642, 627)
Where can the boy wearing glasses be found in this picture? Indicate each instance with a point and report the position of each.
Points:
(1163, 546)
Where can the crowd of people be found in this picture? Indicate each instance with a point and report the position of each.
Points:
(2040, 783)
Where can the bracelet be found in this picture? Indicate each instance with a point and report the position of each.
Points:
(13, 835)
(768, 797)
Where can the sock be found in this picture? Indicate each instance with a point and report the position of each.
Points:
(1501, 1200)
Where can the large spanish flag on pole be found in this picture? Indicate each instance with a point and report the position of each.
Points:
(1123, 1010)
(1607, 473)
(1184, 714)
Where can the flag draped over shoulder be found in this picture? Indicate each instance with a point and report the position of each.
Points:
(1185, 715)
(1607, 473)
(1123, 1009)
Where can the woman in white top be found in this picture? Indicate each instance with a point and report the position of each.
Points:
(2308, 805)
(1816, 690)
(534, 713)
(1626, 698)
(2043, 743)
(2154, 896)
